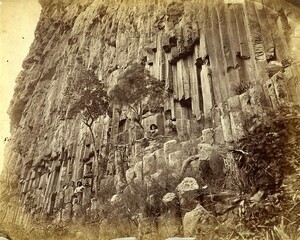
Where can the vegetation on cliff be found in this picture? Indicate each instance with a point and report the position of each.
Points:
(260, 201)
(88, 97)
(139, 91)
(222, 162)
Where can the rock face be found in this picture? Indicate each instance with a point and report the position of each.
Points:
(225, 63)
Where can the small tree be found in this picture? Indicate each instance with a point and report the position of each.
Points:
(139, 91)
(90, 100)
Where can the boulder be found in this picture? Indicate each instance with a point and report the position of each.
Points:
(171, 203)
(257, 197)
(115, 199)
(130, 175)
(152, 147)
(188, 188)
(169, 198)
(208, 136)
(160, 158)
(170, 146)
(218, 135)
(138, 169)
(149, 162)
(198, 220)
(175, 162)
(204, 151)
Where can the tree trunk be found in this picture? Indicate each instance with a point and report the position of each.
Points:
(96, 159)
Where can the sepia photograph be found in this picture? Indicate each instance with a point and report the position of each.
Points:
(150, 119)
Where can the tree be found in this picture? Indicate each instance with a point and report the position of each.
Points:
(139, 91)
(90, 100)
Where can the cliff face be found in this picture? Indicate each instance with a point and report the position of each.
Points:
(225, 64)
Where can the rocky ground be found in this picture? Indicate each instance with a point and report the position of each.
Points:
(256, 198)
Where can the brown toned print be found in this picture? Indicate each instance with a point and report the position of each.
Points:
(162, 119)
(18, 20)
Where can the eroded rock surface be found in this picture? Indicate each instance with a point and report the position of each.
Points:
(228, 66)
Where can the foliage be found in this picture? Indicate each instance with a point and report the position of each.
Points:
(90, 97)
(49, 231)
(90, 100)
(139, 91)
(269, 163)
(242, 88)
(265, 150)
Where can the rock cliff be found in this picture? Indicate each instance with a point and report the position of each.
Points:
(229, 65)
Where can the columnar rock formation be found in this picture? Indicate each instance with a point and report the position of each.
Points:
(224, 62)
